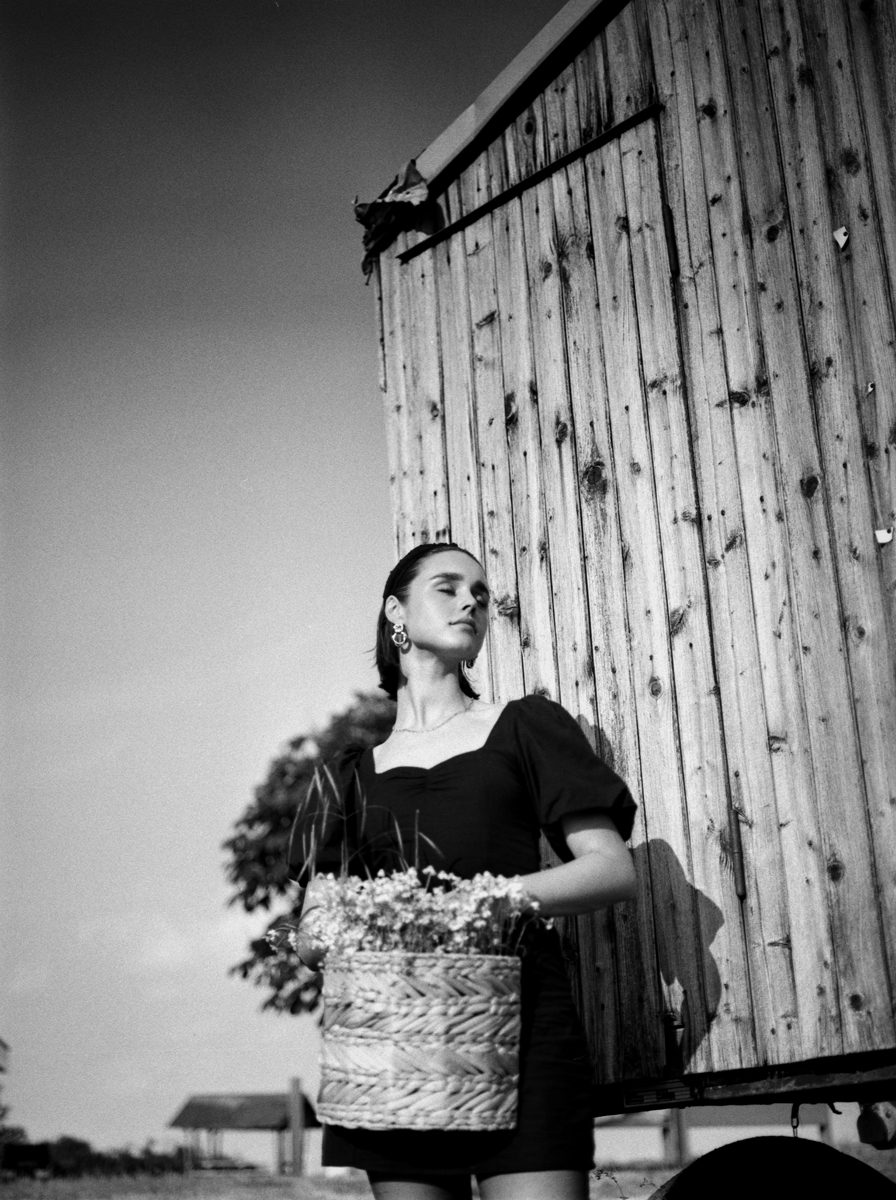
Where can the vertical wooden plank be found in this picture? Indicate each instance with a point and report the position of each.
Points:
(730, 164)
(842, 855)
(297, 1125)
(550, 242)
(593, 88)
(872, 29)
(525, 143)
(699, 189)
(420, 339)
(458, 395)
(661, 791)
(404, 414)
(617, 966)
(390, 383)
(864, 316)
(459, 404)
(569, 597)
(860, 424)
(702, 750)
(598, 972)
(562, 115)
(473, 185)
(629, 74)
(536, 624)
(494, 475)
(525, 151)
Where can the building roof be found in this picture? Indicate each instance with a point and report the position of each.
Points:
(541, 60)
(254, 1110)
(443, 159)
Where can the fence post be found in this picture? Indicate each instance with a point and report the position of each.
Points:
(297, 1125)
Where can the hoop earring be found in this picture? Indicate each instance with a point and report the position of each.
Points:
(399, 636)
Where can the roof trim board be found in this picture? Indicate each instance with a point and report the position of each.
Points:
(540, 60)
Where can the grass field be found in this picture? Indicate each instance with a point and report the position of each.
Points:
(255, 1185)
(607, 1184)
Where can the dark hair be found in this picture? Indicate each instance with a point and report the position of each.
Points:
(402, 575)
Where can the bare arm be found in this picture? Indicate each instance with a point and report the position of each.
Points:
(308, 948)
(601, 872)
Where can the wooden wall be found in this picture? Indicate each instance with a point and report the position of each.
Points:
(658, 400)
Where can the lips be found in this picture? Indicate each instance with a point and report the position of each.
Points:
(471, 625)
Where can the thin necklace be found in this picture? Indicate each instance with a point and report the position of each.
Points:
(430, 728)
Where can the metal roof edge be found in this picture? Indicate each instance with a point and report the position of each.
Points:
(450, 145)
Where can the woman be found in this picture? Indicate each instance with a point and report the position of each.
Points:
(474, 784)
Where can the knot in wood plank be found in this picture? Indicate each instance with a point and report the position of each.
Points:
(507, 606)
(594, 478)
(677, 620)
(511, 413)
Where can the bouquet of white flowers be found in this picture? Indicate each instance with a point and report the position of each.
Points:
(421, 912)
(421, 998)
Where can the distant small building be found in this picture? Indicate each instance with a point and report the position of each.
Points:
(251, 1111)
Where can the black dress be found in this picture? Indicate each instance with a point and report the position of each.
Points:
(483, 810)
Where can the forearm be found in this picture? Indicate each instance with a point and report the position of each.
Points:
(592, 881)
(308, 945)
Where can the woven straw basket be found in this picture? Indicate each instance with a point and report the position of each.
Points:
(420, 1041)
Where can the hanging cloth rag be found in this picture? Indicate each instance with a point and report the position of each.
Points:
(399, 207)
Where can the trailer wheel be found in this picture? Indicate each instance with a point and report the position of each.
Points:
(777, 1168)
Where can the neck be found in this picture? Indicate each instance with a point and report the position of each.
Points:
(428, 697)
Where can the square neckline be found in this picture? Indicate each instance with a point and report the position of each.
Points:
(451, 757)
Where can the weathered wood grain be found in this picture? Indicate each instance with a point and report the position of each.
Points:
(750, 400)
(536, 622)
(691, 191)
(607, 1005)
(675, 488)
(629, 77)
(458, 396)
(617, 949)
(423, 384)
(872, 38)
(562, 126)
(802, 454)
(405, 417)
(864, 316)
(679, 950)
(390, 386)
(559, 469)
(525, 143)
(854, 430)
(494, 474)
(699, 728)
(459, 404)
(593, 90)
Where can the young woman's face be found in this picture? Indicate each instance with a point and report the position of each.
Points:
(446, 609)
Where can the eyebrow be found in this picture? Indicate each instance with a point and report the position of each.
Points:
(456, 577)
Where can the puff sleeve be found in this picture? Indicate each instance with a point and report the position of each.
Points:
(324, 830)
(563, 774)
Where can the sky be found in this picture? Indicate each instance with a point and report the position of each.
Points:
(194, 508)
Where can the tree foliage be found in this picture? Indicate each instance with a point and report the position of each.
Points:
(256, 864)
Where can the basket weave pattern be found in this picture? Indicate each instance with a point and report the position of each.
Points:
(420, 1041)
